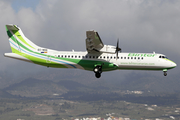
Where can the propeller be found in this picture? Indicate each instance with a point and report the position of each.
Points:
(117, 49)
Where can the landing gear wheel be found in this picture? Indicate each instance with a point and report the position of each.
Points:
(165, 73)
(98, 75)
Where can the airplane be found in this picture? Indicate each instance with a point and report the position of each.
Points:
(98, 57)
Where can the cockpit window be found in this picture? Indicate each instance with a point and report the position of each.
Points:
(162, 56)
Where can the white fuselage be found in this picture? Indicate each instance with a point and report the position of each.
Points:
(137, 61)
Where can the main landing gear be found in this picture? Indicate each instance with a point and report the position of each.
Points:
(98, 70)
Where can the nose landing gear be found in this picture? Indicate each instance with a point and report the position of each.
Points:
(165, 72)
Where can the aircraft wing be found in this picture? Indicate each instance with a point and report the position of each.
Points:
(93, 42)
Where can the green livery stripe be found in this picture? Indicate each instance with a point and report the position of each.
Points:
(21, 45)
(45, 62)
(18, 35)
(89, 64)
(14, 50)
(40, 61)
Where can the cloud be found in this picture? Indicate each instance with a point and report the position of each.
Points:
(141, 25)
(148, 25)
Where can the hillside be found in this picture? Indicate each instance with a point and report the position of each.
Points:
(143, 80)
(32, 87)
(58, 81)
(4, 94)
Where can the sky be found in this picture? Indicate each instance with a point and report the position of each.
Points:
(141, 25)
(18, 4)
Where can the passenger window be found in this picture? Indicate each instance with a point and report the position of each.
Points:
(138, 57)
(159, 56)
(79, 56)
(72, 56)
(142, 58)
(86, 56)
(121, 57)
(124, 57)
(93, 56)
(100, 56)
(131, 57)
(104, 57)
(107, 57)
(89, 56)
(65, 56)
(68, 56)
(128, 57)
(134, 57)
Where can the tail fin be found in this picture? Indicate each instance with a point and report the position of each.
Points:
(18, 42)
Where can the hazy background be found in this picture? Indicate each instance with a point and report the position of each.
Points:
(141, 26)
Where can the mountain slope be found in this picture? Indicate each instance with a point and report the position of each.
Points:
(33, 87)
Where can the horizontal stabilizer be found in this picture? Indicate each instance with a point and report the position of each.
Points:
(16, 56)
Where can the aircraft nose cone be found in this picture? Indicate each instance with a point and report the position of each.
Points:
(173, 64)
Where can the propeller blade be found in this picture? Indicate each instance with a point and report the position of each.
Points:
(117, 43)
(116, 55)
(117, 49)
